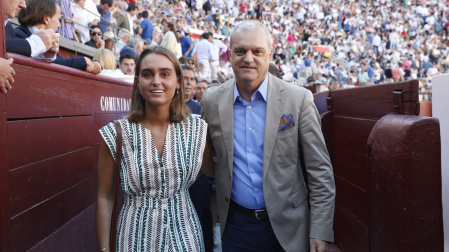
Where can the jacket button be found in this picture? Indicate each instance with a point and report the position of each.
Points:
(227, 198)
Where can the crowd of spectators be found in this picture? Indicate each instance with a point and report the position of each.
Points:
(337, 45)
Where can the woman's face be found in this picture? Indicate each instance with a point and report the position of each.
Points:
(96, 34)
(157, 80)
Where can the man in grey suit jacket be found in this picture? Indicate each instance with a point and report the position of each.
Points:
(124, 21)
(259, 126)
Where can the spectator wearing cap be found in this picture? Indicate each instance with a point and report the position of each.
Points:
(125, 20)
(146, 27)
(128, 50)
(105, 14)
(95, 37)
(109, 38)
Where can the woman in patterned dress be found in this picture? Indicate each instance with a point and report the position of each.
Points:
(162, 152)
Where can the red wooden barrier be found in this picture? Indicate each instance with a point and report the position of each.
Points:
(352, 114)
(49, 146)
(405, 194)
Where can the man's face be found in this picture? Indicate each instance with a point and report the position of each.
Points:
(104, 8)
(199, 90)
(11, 7)
(250, 57)
(109, 44)
(128, 66)
(125, 38)
(189, 83)
(178, 36)
(53, 22)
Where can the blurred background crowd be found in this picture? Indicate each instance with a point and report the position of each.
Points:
(316, 42)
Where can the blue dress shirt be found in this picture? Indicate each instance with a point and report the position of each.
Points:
(147, 29)
(249, 128)
(185, 44)
(105, 20)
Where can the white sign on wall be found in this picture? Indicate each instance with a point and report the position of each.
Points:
(440, 110)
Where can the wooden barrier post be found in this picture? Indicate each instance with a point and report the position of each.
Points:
(405, 184)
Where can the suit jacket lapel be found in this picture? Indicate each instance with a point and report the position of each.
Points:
(275, 105)
(26, 30)
(226, 114)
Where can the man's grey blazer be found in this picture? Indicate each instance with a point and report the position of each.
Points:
(123, 22)
(284, 189)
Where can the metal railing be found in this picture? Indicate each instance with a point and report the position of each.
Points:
(114, 29)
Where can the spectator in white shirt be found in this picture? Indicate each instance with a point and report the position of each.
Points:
(85, 15)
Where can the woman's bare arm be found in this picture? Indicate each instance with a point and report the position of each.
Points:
(105, 196)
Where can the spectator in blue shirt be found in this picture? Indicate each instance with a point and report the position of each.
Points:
(103, 9)
(147, 27)
(186, 44)
(371, 74)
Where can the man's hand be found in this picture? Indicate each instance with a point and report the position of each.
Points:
(48, 37)
(53, 50)
(318, 245)
(92, 67)
(97, 68)
(6, 73)
(95, 22)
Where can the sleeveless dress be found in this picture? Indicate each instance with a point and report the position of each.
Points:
(158, 214)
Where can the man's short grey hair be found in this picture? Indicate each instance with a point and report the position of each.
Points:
(123, 32)
(252, 25)
(136, 42)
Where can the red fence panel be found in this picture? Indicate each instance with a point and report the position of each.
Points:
(405, 165)
(49, 147)
(370, 210)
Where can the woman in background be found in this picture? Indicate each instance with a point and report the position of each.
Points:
(106, 59)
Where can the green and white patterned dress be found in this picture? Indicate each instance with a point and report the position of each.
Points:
(158, 214)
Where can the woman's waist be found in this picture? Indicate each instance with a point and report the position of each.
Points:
(152, 201)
